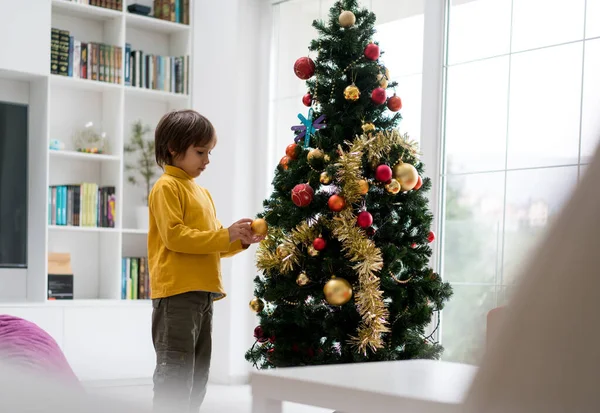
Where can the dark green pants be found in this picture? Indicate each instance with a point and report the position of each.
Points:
(181, 332)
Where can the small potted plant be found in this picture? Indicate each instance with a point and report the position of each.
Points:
(143, 171)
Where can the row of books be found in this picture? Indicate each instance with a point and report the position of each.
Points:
(83, 205)
(166, 73)
(135, 279)
(74, 58)
(177, 11)
(107, 4)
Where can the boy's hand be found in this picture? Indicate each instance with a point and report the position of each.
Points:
(240, 230)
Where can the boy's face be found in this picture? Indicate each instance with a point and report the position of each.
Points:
(195, 160)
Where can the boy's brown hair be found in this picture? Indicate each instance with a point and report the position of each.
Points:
(177, 131)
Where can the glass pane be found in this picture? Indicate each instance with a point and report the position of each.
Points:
(294, 32)
(478, 29)
(464, 319)
(476, 107)
(533, 198)
(538, 23)
(473, 227)
(590, 128)
(592, 24)
(402, 42)
(390, 10)
(409, 90)
(545, 101)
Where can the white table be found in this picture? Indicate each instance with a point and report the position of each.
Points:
(412, 386)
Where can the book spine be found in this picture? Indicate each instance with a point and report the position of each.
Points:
(63, 53)
(54, 50)
(127, 64)
(77, 59)
(123, 278)
(186, 12)
(101, 64)
(70, 67)
(120, 65)
(172, 10)
(178, 11)
(54, 202)
(83, 73)
(94, 61)
(157, 6)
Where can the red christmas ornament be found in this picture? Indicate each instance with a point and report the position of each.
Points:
(319, 244)
(394, 103)
(304, 68)
(364, 219)
(302, 195)
(259, 335)
(378, 96)
(383, 173)
(336, 203)
(370, 231)
(272, 339)
(419, 183)
(413, 245)
(284, 162)
(372, 51)
(307, 99)
(431, 236)
(292, 151)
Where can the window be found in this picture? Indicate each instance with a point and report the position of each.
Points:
(520, 124)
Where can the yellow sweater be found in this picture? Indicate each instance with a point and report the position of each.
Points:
(186, 241)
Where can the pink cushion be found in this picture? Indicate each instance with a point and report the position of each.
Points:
(24, 344)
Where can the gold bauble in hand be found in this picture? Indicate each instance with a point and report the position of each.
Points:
(257, 305)
(325, 178)
(259, 226)
(302, 279)
(351, 93)
(393, 187)
(406, 175)
(337, 291)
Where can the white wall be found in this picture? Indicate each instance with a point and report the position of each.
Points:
(231, 41)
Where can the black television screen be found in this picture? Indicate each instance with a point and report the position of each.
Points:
(13, 185)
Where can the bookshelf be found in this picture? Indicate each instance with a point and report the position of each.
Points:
(61, 105)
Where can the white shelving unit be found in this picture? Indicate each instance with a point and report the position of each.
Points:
(60, 105)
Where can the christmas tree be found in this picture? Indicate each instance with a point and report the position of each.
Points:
(344, 268)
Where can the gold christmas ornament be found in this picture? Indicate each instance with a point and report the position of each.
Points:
(406, 175)
(383, 80)
(257, 305)
(325, 178)
(347, 19)
(368, 127)
(259, 226)
(337, 291)
(302, 279)
(281, 251)
(351, 93)
(326, 158)
(364, 186)
(315, 155)
(393, 187)
(312, 251)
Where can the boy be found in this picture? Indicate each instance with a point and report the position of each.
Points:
(185, 245)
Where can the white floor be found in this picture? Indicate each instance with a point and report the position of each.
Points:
(219, 399)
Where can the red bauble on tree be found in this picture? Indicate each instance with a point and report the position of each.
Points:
(292, 151)
(372, 51)
(319, 244)
(370, 231)
(304, 68)
(378, 96)
(431, 236)
(259, 335)
(364, 219)
(307, 99)
(284, 162)
(383, 173)
(336, 203)
(302, 195)
(394, 103)
(419, 183)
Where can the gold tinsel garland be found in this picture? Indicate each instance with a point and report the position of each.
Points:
(268, 258)
(361, 251)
